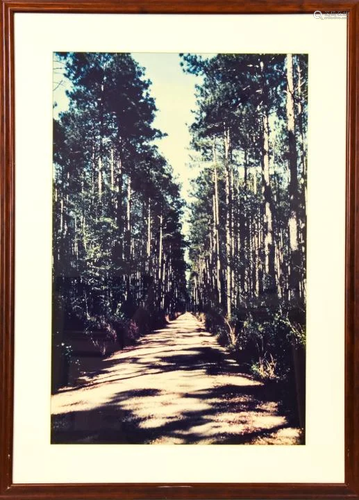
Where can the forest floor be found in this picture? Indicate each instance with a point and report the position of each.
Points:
(176, 386)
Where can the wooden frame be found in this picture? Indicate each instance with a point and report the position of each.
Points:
(350, 489)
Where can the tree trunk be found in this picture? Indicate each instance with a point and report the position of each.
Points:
(245, 224)
(112, 172)
(128, 219)
(294, 276)
(269, 243)
(160, 261)
(99, 178)
(228, 221)
(303, 154)
(120, 227)
(148, 247)
(218, 255)
(303, 180)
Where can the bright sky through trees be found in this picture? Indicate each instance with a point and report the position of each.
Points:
(174, 93)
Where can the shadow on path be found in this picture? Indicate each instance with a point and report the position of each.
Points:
(177, 386)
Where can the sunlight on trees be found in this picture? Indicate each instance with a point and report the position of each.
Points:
(248, 219)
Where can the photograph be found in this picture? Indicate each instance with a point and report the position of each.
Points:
(179, 244)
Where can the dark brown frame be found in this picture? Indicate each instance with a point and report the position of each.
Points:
(350, 489)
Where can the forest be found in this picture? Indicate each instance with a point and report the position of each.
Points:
(122, 263)
(118, 250)
(248, 216)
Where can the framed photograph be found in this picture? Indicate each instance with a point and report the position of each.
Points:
(179, 206)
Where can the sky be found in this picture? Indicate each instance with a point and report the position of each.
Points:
(174, 92)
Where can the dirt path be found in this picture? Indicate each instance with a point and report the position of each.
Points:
(177, 387)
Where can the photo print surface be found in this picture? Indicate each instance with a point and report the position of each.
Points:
(179, 248)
